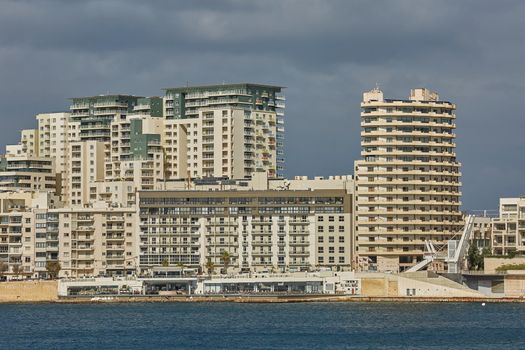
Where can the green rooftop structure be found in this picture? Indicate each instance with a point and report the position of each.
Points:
(149, 106)
(95, 114)
(184, 102)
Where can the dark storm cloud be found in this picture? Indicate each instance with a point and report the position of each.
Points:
(325, 52)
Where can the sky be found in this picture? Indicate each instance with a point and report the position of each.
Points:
(326, 53)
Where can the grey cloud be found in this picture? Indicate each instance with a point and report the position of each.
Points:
(325, 52)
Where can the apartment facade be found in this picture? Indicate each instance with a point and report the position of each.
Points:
(481, 235)
(268, 227)
(26, 241)
(136, 152)
(508, 230)
(262, 128)
(28, 173)
(222, 142)
(86, 166)
(28, 145)
(96, 113)
(114, 194)
(407, 182)
(56, 131)
(97, 241)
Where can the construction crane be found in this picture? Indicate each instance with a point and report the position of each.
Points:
(455, 250)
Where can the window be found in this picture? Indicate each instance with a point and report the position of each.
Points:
(331, 239)
(320, 239)
(341, 239)
(341, 250)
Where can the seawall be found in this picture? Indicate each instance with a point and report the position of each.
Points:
(28, 291)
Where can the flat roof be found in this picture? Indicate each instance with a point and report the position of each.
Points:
(102, 95)
(215, 86)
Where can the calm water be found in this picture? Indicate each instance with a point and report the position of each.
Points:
(263, 326)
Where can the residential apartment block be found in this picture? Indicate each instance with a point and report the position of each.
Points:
(481, 235)
(136, 153)
(56, 131)
(96, 113)
(28, 173)
(28, 237)
(86, 166)
(97, 241)
(241, 123)
(223, 142)
(407, 182)
(28, 145)
(261, 224)
(508, 230)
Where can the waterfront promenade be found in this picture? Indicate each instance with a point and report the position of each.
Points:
(371, 288)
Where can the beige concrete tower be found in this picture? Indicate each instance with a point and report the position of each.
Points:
(407, 186)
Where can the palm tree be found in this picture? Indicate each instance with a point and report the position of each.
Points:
(210, 266)
(3, 268)
(17, 270)
(53, 268)
(181, 266)
(226, 258)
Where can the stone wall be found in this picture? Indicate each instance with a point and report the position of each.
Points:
(28, 291)
(491, 264)
(515, 284)
(378, 285)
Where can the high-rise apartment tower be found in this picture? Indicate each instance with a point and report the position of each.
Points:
(407, 182)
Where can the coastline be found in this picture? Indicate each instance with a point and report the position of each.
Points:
(261, 299)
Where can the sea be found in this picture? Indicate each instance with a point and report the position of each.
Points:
(263, 326)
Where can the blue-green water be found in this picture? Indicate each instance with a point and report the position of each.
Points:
(263, 326)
